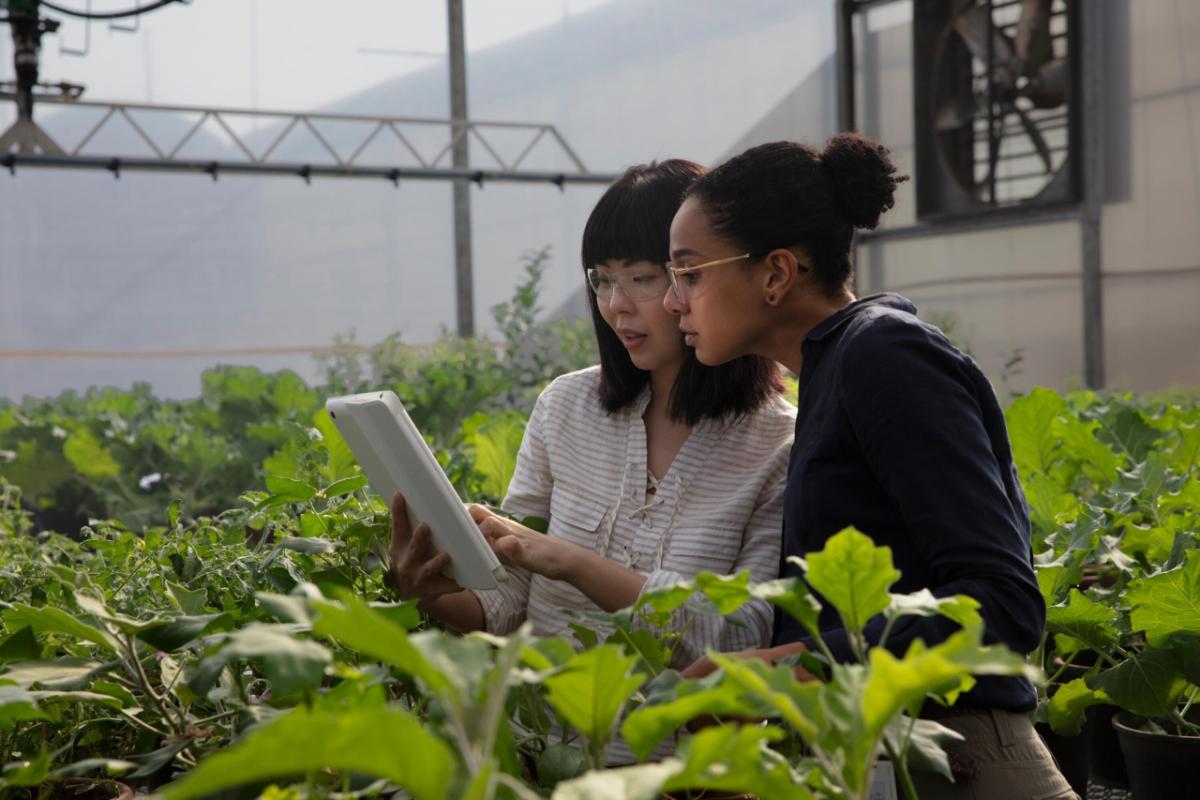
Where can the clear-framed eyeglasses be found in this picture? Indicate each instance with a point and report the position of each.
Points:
(686, 281)
(639, 284)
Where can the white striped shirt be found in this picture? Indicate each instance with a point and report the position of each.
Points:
(717, 509)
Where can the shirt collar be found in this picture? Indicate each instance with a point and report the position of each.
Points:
(844, 315)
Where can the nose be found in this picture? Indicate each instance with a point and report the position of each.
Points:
(673, 303)
(619, 301)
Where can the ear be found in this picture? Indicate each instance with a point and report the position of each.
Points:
(782, 274)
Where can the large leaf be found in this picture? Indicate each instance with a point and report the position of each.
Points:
(793, 596)
(63, 673)
(798, 704)
(92, 459)
(641, 782)
(1167, 603)
(18, 705)
(20, 646)
(1148, 683)
(496, 441)
(736, 759)
(592, 688)
(1085, 620)
(1066, 707)
(853, 575)
(290, 664)
(371, 633)
(1032, 427)
(47, 619)
(378, 741)
(672, 703)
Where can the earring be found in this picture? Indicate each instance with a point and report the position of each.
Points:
(770, 298)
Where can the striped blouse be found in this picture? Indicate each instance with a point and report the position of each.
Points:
(717, 509)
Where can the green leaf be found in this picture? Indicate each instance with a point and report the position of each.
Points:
(18, 705)
(1048, 503)
(927, 743)
(64, 673)
(47, 619)
(20, 646)
(640, 782)
(592, 688)
(341, 463)
(28, 773)
(189, 601)
(172, 633)
(1167, 603)
(736, 759)
(289, 490)
(345, 486)
(559, 762)
(1067, 705)
(799, 704)
(672, 703)
(1055, 580)
(1085, 620)
(371, 633)
(290, 664)
(853, 575)
(903, 684)
(1147, 683)
(960, 608)
(793, 596)
(92, 459)
(1032, 427)
(310, 546)
(496, 441)
(382, 742)
(727, 592)
(106, 766)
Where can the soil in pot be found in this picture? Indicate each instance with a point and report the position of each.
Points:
(1160, 767)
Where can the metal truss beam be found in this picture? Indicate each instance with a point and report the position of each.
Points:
(334, 163)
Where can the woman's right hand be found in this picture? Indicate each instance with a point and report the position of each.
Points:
(416, 566)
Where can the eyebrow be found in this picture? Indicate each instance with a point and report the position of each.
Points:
(683, 251)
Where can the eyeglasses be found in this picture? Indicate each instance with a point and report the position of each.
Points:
(639, 285)
(690, 286)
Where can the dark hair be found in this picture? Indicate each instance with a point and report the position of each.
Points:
(632, 222)
(783, 194)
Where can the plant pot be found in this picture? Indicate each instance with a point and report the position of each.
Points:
(1161, 767)
(1072, 753)
(1108, 764)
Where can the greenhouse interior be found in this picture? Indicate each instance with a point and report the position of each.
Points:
(585, 399)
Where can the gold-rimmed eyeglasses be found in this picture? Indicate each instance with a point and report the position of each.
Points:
(690, 285)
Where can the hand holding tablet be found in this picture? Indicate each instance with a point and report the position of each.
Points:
(396, 458)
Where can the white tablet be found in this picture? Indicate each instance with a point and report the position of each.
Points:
(396, 459)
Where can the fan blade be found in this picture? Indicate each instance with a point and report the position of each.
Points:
(1033, 44)
(1048, 88)
(954, 115)
(1035, 136)
(972, 27)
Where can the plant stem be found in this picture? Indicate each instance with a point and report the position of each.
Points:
(900, 761)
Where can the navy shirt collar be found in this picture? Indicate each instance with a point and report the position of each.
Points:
(844, 315)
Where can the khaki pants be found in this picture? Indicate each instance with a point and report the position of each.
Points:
(1003, 758)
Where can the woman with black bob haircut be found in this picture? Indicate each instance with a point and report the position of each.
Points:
(626, 226)
(650, 467)
(898, 433)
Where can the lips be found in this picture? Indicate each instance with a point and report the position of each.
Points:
(631, 338)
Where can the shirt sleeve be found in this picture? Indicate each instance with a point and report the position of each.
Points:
(750, 627)
(505, 607)
(919, 412)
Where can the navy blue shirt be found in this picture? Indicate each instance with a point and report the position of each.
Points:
(900, 435)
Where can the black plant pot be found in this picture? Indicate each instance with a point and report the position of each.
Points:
(1108, 764)
(1073, 754)
(1161, 767)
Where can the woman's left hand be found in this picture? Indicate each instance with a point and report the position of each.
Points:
(526, 548)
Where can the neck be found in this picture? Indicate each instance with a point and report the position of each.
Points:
(661, 381)
(784, 340)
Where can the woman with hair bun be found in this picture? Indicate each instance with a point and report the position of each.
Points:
(898, 433)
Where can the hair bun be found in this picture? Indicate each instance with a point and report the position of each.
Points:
(862, 176)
